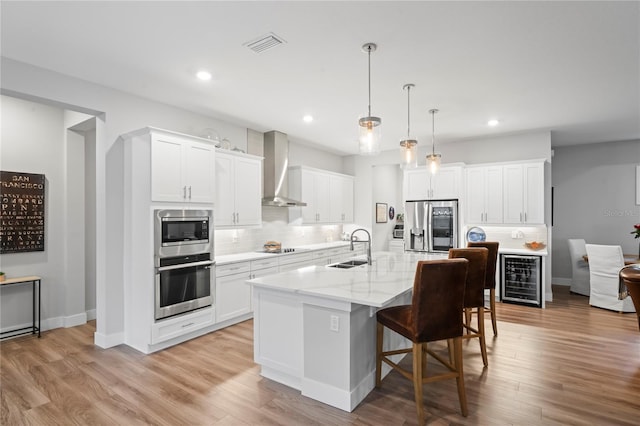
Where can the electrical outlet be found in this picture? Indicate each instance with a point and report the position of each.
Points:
(335, 323)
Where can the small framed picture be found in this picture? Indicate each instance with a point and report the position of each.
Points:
(381, 212)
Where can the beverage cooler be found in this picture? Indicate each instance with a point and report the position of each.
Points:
(521, 279)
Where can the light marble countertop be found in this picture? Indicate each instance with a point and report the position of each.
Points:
(523, 251)
(390, 275)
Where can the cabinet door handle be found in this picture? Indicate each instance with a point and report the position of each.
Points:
(520, 216)
(189, 191)
(237, 218)
(184, 191)
(525, 217)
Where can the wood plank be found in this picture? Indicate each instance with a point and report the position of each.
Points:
(567, 364)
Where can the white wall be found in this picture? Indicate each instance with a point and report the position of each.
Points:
(40, 148)
(386, 188)
(594, 198)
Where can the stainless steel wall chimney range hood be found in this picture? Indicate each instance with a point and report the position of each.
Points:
(276, 163)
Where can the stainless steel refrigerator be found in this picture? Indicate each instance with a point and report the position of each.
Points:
(431, 225)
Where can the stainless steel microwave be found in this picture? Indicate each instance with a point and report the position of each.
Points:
(183, 232)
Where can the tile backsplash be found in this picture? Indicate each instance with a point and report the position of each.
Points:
(275, 227)
(505, 235)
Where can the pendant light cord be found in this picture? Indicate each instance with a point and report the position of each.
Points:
(408, 111)
(369, 54)
(433, 131)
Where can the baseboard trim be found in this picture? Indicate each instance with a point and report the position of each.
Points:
(74, 320)
(108, 340)
(561, 281)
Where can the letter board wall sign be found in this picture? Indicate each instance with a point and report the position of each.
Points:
(22, 212)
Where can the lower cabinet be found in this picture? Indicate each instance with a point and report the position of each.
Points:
(176, 327)
(233, 294)
(295, 261)
(333, 255)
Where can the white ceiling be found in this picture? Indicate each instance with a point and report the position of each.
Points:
(568, 67)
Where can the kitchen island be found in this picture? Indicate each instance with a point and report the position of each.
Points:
(315, 327)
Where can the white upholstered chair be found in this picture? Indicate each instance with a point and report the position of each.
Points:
(579, 267)
(605, 263)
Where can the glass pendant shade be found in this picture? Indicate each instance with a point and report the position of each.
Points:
(433, 163)
(369, 131)
(408, 153)
(408, 146)
(369, 135)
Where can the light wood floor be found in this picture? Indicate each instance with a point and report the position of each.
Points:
(567, 364)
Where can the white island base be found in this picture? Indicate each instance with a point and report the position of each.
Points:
(324, 348)
(315, 327)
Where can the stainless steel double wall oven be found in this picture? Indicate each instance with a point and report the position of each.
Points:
(184, 261)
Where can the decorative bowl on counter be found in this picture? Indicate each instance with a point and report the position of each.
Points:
(476, 234)
(535, 245)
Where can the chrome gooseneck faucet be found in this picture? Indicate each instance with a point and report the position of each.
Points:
(368, 241)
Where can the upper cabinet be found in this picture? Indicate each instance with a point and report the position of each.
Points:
(329, 196)
(484, 194)
(182, 168)
(238, 186)
(505, 193)
(420, 184)
(341, 203)
(524, 193)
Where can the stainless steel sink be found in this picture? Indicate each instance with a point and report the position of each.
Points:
(348, 264)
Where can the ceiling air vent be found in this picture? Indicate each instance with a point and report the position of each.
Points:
(266, 42)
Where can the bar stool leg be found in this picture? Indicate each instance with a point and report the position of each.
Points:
(492, 305)
(462, 394)
(483, 342)
(417, 380)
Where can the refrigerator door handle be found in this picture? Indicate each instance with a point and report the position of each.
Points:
(428, 233)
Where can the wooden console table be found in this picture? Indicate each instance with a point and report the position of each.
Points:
(25, 330)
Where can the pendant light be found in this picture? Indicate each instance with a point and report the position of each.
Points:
(408, 146)
(369, 126)
(433, 159)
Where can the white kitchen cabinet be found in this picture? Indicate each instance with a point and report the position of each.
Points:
(341, 199)
(524, 193)
(154, 169)
(238, 185)
(484, 194)
(290, 262)
(177, 326)
(420, 184)
(233, 295)
(396, 245)
(327, 201)
(332, 255)
(182, 168)
(233, 300)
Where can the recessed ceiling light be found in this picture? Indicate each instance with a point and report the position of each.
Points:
(493, 122)
(204, 75)
(307, 118)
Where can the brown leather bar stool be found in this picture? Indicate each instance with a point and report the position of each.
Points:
(630, 275)
(474, 292)
(434, 314)
(490, 278)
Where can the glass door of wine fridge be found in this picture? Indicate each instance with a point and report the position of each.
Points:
(521, 280)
